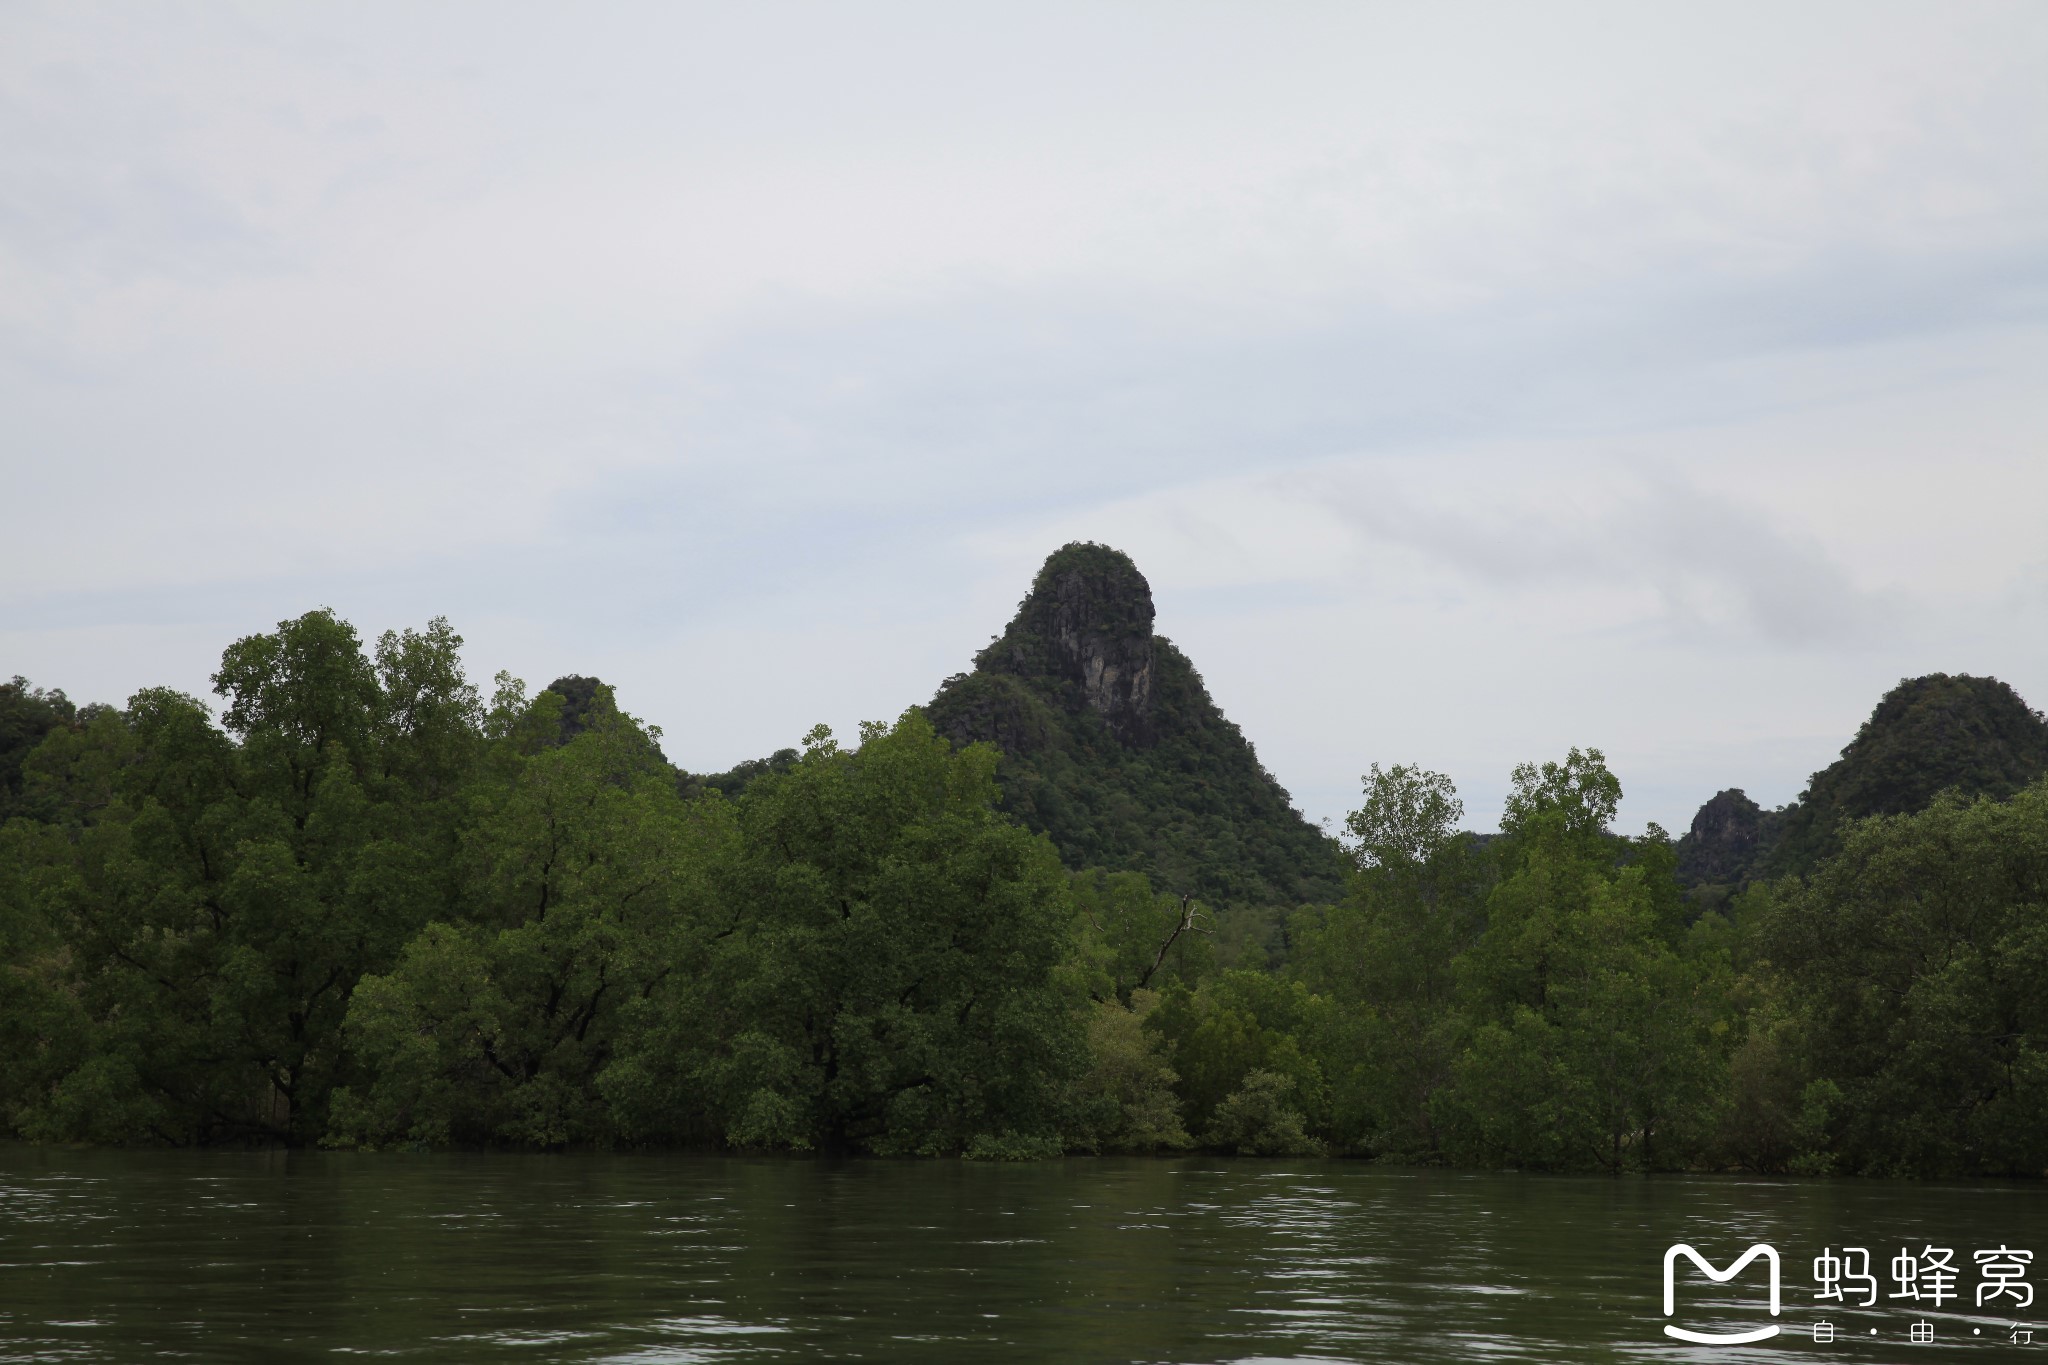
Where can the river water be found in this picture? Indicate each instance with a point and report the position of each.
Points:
(277, 1257)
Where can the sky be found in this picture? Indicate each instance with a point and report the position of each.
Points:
(1470, 381)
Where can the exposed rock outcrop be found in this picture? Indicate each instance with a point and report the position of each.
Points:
(1725, 840)
(581, 698)
(1113, 747)
(1086, 626)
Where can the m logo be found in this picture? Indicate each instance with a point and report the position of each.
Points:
(1671, 1255)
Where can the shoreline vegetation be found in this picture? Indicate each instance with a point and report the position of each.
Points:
(1061, 909)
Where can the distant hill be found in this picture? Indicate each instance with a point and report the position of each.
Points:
(1114, 749)
(1728, 836)
(1927, 735)
(585, 699)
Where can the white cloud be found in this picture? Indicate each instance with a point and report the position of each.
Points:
(1477, 379)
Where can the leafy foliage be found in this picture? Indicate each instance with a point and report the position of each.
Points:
(736, 779)
(26, 715)
(1917, 962)
(1409, 815)
(1388, 958)
(368, 908)
(494, 1028)
(211, 906)
(1256, 1120)
(1239, 1022)
(1126, 1101)
(877, 969)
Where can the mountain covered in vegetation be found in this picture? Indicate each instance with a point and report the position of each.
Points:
(1112, 746)
(1927, 735)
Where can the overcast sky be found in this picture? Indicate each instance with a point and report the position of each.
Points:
(1470, 381)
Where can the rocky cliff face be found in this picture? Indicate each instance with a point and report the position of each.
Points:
(1726, 838)
(1087, 627)
(1113, 747)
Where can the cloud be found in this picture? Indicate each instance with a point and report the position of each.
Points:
(1712, 566)
(672, 341)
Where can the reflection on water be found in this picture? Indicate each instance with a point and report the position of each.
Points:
(279, 1257)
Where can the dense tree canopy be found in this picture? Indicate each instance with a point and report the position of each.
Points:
(875, 966)
(367, 909)
(365, 906)
(1916, 968)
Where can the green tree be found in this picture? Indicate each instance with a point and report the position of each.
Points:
(1918, 960)
(218, 901)
(1125, 1102)
(1132, 938)
(882, 971)
(1256, 1120)
(1615, 1069)
(1238, 1022)
(300, 699)
(1775, 1115)
(1597, 1023)
(1579, 797)
(1386, 959)
(580, 875)
(40, 1022)
(428, 720)
(1409, 814)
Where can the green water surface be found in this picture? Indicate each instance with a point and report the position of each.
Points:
(128, 1257)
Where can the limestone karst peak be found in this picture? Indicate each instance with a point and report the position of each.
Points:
(1086, 625)
(1113, 747)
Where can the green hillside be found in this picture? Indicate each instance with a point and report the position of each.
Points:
(1113, 747)
(1927, 735)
